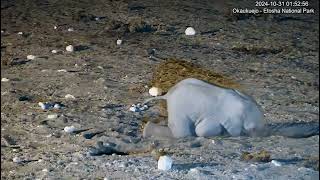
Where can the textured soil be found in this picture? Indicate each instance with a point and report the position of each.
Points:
(273, 56)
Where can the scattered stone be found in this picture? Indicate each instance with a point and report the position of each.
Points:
(154, 91)
(190, 31)
(20, 33)
(119, 42)
(62, 70)
(24, 98)
(70, 48)
(138, 108)
(69, 96)
(57, 106)
(17, 160)
(69, 129)
(194, 171)
(70, 29)
(31, 57)
(165, 163)
(44, 106)
(276, 163)
(55, 27)
(54, 51)
(52, 116)
(5, 79)
(48, 105)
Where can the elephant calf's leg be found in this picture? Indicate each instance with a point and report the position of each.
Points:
(152, 129)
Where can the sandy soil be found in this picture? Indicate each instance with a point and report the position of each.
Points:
(274, 56)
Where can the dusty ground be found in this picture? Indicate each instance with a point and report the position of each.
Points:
(274, 56)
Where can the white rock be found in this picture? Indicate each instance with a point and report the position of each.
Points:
(2, 31)
(17, 160)
(54, 51)
(20, 33)
(45, 170)
(31, 57)
(70, 29)
(119, 42)
(62, 70)
(69, 96)
(52, 116)
(43, 106)
(154, 91)
(276, 163)
(70, 48)
(165, 163)
(194, 171)
(57, 106)
(133, 109)
(97, 18)
(213, 142)
(55, 27)
(5, 79)
(190, 31)
(69, 129)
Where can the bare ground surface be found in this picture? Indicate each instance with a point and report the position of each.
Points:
(274, 56)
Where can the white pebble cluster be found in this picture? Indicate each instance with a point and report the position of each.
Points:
(138, 107)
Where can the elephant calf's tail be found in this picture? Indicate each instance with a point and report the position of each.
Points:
(294, 130)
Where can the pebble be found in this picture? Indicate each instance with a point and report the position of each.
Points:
(119, 42)
(20, 33)
(70, 48)
(44, 106)
(69, 96)
(55, 27)
(31, 57)
(70, 29)
(52, 116)
(154, 91)
(190, 31)
(62, 70)
(276, 163)
(5, 79)
(194, 171)
(2, 31)
(54, 51)
(138, 108)
(165, 163)
(69, 129)
(17, 160)
(57, 106)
